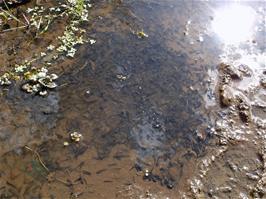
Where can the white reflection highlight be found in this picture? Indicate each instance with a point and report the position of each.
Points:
(234, 24)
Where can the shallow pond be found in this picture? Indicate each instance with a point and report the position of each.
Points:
(146, 106)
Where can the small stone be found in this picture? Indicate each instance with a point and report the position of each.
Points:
(66, 144)
(263, 82)
(252, 176)
(225, 189)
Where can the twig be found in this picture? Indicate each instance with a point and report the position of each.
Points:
(39, 157)
(63, 85)
(11, 29)
(11, 15)
(39, 24)
(26, 19)
(64, 182)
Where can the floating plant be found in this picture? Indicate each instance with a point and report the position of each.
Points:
(38, 81)
(75, 136)
(34, 81)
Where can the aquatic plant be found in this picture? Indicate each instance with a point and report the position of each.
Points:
(73, 34)
(37, 80)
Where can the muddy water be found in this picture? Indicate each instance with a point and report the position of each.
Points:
(146, 108)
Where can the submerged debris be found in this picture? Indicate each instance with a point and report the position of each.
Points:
(75, 136)
(121, 77)
(142, 34)
(66, 143)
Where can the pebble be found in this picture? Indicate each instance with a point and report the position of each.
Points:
(252, 176)
(263, 82)
(66, 144)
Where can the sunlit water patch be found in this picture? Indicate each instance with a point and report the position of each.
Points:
(234, 23)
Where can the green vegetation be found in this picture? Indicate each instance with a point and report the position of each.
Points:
(39, 19)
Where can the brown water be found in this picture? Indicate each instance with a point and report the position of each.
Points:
(140, 104)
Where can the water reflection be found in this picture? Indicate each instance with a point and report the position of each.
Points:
(233, 24)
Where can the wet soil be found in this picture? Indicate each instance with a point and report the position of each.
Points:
(177, 114)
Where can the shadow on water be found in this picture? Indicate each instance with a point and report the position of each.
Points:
(138, 92)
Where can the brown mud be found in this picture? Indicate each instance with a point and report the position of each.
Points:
(174, 113)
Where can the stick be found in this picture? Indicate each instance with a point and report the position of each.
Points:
(11, 29)
(39, 157)
(11, 15)
(26, 19)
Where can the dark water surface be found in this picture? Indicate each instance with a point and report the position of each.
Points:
(139, 103)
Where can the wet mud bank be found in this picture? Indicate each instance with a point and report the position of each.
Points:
(158, 107)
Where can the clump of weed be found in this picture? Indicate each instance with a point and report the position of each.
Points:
(75, 13)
